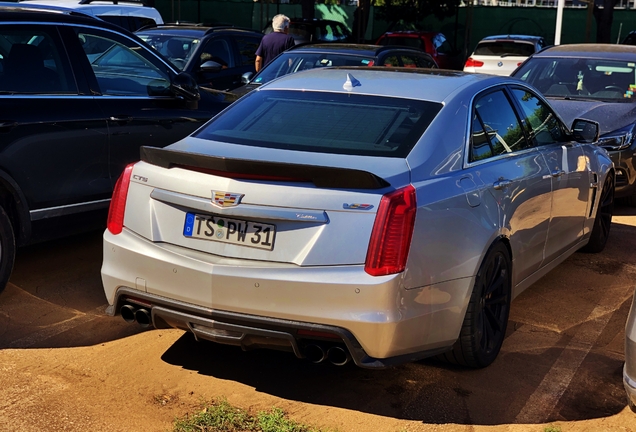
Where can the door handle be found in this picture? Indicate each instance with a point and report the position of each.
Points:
(557, 173)
(120, 118)
(501, 184)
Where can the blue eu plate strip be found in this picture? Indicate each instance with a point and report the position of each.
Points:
(189, 225)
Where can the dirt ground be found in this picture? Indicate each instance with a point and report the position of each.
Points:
(65, 366)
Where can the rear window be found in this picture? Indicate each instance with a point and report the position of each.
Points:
(324, 122)
(505, 48)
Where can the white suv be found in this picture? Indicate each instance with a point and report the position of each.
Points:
(129, 14)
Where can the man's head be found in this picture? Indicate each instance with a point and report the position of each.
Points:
(280, 23)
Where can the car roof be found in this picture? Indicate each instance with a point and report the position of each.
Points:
(408, 83)
(192, 30)
(513, 37)
(42, 13)
(351, 49)
(593, 51)
(102, 7)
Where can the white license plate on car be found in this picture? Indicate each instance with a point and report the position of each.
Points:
(234, 231)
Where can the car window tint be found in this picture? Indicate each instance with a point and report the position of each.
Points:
(391, 61)
(480, 147)
(539, 118)
(178, 49)
(247, 47)
(121, 70)
(130, 23)
(501, 123)
(417, 61)
(340, 123)
(218, 50)
(500, 48)
(32, 60)
(413, 42)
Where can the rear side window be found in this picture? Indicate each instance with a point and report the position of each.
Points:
(324, 122)
(130, 23)
(33, 61)
(247, 47)
(521, 49)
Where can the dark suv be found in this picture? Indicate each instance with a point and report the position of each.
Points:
(78, 97)
(215, 56)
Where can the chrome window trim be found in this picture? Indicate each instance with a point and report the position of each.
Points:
(69, 209)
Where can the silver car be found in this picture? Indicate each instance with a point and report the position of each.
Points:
(363, 214)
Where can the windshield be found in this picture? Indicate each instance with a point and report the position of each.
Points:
(575, 78)
(291, 62)
(323, 122)
(178, 49)
(504, 48)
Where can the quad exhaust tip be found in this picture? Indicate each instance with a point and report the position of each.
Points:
(338, 356)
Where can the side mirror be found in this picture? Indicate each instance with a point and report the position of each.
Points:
(585, 131)
(185, 86)
(246, 77)
(210, 66)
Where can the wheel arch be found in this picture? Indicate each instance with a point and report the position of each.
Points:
(15, 205)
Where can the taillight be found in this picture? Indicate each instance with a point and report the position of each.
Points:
(115, 222)
(392, 233)
(471, 62)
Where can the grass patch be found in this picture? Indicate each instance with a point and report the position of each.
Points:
(552, 428)
(220, 416)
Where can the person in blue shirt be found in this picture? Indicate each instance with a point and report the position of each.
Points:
(274, 43)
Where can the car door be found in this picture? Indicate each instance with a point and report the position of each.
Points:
(132, 87)
(53, 137)
(569, 172)
(220, 49)
(515, 173)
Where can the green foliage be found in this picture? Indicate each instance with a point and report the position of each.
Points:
(552, 428)
(407, 13)
(220, 416)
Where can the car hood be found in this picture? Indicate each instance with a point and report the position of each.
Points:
(610, 116)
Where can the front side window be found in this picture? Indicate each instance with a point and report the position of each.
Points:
(33, 61)
(178, 49)
(324, 122)
(218, 50)
(122, 70)
(541, 122)
(495, 128)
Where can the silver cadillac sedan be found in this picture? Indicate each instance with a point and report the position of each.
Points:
(378, 216)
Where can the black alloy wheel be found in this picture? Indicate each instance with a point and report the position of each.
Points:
(603, 219)
(484, 327)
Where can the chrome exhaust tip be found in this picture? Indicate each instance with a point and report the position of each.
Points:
(338, 356)
(315, 353)
(127, 313)
(143, 318)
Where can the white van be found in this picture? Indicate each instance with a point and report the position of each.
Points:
(129, 14)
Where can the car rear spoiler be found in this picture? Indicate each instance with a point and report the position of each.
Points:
(321, 176)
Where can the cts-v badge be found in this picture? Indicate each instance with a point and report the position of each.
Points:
(226, 199)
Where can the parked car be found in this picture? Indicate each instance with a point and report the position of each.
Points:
(434, 43)
(629, 370)
(312, 30)
(129, 14)
(374, 214)
(215, 56)
(78, 97)
(596, 82)
(501, 55)
(303, 57)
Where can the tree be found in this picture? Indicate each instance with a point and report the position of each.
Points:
(604, 18)
(410, 12)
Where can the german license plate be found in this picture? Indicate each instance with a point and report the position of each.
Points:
(234, 231)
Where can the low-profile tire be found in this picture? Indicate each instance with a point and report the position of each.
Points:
(7, 249)
(484, 327)
(603, 220)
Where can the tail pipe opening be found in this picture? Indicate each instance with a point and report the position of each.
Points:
(338, 356)
(315, 353)
(128, 313)
(143, 318)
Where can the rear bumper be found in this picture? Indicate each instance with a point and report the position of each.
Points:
(255, 304)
